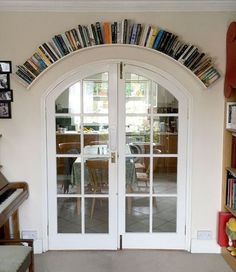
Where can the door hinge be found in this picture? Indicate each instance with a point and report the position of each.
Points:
(121, 70)
(47, 230)
(121, 246)
(185, 230)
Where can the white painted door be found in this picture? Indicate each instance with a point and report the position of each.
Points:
(132, 125)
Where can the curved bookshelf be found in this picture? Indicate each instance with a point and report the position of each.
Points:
(121, 33)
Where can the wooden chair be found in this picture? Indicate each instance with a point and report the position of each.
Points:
(15, 256)
(66, 163)
(98, 173)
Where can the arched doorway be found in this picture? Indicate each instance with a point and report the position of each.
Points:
(132, 124)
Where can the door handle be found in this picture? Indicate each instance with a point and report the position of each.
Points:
(113, 157)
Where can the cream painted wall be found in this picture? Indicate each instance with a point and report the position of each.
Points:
(21, 147)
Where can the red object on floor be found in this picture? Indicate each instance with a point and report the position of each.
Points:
(223, 218)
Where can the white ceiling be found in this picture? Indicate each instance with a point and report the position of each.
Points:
(117, 6)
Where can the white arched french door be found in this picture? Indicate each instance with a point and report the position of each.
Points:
(116, 136)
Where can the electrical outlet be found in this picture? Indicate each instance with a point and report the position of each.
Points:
(29, 234)
(204, 235)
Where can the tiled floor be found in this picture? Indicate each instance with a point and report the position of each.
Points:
(163, 215)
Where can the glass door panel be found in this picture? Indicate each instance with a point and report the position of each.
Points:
(84, 194)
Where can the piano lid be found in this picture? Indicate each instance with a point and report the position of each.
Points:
(3, 181)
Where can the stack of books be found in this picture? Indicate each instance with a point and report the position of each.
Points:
(122, 32)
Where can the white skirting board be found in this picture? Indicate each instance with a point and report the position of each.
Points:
(204, 246)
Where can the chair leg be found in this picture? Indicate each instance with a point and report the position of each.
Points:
(92, 207)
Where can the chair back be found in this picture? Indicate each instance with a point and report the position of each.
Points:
(98, 173)
(69, 148)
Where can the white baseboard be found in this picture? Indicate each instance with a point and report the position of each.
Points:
(204, 246)
(38, 246)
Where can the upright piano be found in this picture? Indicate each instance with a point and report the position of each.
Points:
(12, 195)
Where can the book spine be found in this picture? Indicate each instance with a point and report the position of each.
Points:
(62, 44)
(26, 72)
(158, 39)
(53, 49)
(24, 79)
(66, 42)
(45, 57)
(76, 37)
(58, 46)
(152, 37)
(82, 35)
(165, 41)
(95, 34)
(125, 31)
(196, 61)
(50, 52)
(91, 36)
(107, 32)
(188, 62)
(114, 32)
(139, 32)
(181, 51)
(71, 40)
(39, 62)
(133, 34)
(99, 31)
(119, 32)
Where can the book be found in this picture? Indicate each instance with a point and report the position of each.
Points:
(152, 36)
(31, 68)
(169, 43)
(95, 34)
(164, 42)
(99, 32)
(76, 37)
(133, 34)
(181, 51)
(58, 46)
(23, 77)
(62, 44)
(158, 39)
(191, 58)
(81, 31)
(39, 62)
(147, 36)
(107, 32)
(26, 72)
(44, 56)
(119, 32)
(66, 42)
(125, 31)
(114, 32)
(143, 35)
(53, 49)
(196, 61)
(139, 32)
(50, 51)
(187, 54)
(71, 40)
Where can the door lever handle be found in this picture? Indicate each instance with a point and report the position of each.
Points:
(113, 157)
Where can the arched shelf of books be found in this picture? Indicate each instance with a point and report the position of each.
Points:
(123, 33)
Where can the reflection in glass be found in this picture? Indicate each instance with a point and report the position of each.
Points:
(137, 92)
(137, 129)
(68, 143)
(67, 125)
(137, 214)
(68, 215)
(165, 175)
(137, 175)
(165, 134)
(95, 92)
(69, 100)
(68, 176)
(96, 215)
(96, 176)
(165, 102)
(95, 130)
(164, 214)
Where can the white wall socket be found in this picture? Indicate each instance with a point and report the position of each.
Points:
(29, 234)
(204, 235)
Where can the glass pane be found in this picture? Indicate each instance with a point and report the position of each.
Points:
(95, 130)
(96, 179)
(165, 134)
(69, 100)
(165, 175)
(137, 214)
(138, 130)
(68, 178)
(68, 143)
(95, 91)
(68, 215)
(164, 101)
(137, 175)
(164, 214)
(137, 92)
(96, 215)
(67, 125)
